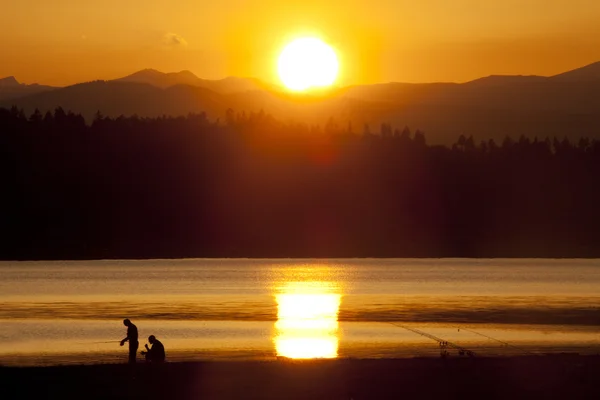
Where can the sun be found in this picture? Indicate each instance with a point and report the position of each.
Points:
(307, 63)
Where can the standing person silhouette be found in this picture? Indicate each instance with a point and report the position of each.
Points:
(132, 338)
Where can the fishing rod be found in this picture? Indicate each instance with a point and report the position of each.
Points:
(498, 340)
(110, 341)
(443, 343)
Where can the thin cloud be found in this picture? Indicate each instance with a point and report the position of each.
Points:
(174, 40)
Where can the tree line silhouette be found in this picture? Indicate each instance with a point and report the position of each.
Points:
(253, 186)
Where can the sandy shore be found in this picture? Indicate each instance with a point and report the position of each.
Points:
(536, 377)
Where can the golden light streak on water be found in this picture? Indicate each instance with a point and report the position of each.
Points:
(307, 320)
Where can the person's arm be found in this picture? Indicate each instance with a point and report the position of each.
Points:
(148, 350)
(124, 340)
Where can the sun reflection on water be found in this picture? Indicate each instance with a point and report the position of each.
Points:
(307, 320)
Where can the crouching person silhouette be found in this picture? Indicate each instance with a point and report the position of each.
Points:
(156, 353)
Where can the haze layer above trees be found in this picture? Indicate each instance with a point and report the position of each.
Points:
(567, 104)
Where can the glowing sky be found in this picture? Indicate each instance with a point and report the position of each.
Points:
(66, 41)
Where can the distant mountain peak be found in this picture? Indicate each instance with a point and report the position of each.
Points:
(146, 72)
(150, 73)
(186, 73)
(11, 88)
(589, 73)
(9, 81)
(166, 80)
(493, 80)
(162, 79)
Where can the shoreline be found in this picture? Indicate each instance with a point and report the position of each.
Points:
(541, 376)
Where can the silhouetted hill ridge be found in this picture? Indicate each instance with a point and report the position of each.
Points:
(589, 73)
(506, 80)
(113, 98)
(8, 81)
(160, 79)
(567, 104)
(165, 80)
(11, 88)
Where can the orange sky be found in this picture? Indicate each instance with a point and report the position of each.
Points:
(66, 41)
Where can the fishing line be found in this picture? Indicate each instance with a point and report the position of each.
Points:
(443, 343)
(498, 340)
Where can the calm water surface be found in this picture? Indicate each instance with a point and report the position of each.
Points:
(71, 312)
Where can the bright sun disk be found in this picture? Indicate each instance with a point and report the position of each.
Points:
(307, 63)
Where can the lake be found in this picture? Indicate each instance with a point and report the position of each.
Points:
(229, 309)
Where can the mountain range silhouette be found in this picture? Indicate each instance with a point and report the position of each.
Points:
(165, 80)
(10, 88)
(563, 105)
